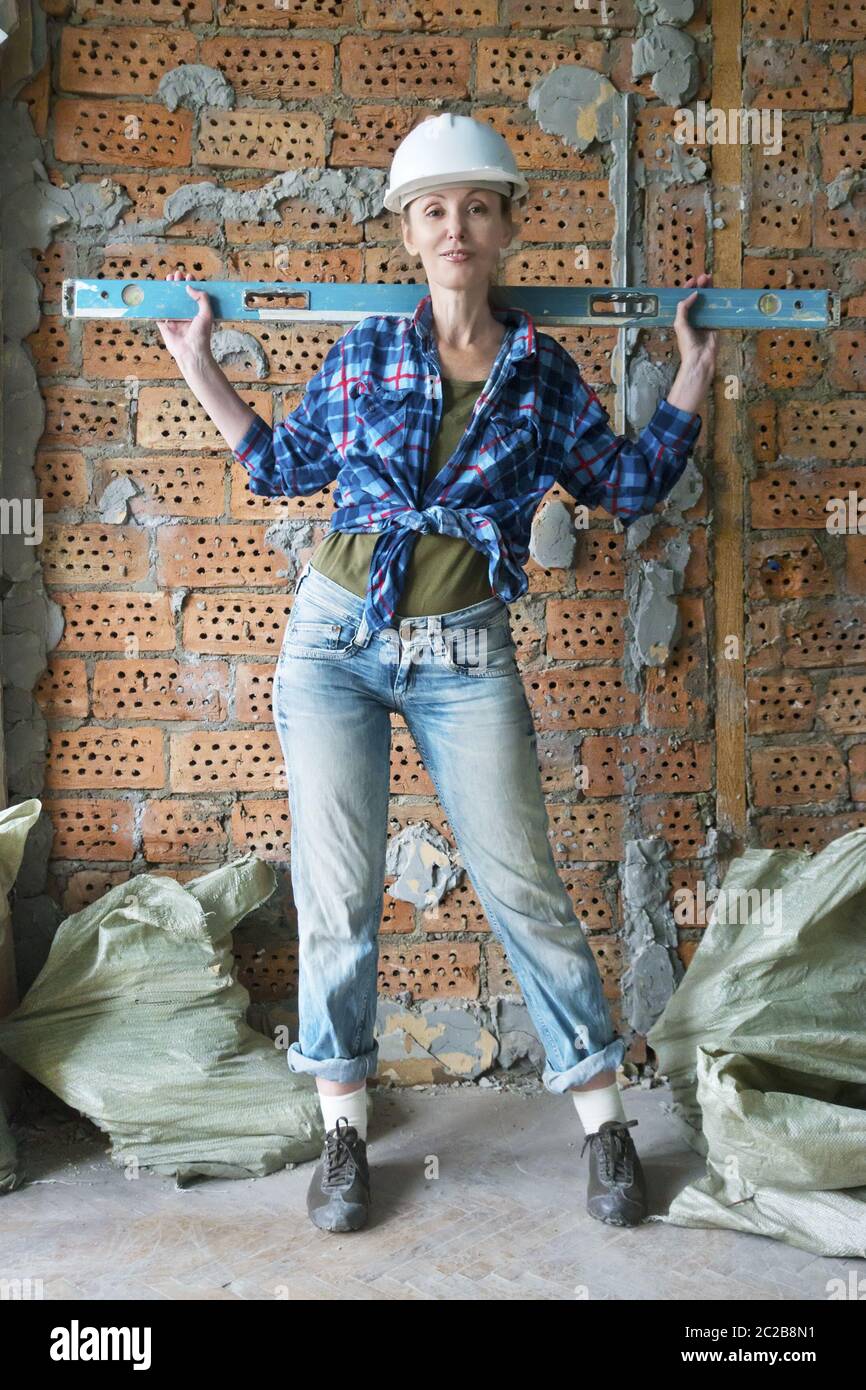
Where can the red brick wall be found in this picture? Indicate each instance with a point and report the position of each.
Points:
(162, 750)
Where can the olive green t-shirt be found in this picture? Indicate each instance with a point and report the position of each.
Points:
(444, 572)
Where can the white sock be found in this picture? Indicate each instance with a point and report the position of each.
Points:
(353, 1105)
(594, 1107)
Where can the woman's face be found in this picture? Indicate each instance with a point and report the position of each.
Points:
(457, 218)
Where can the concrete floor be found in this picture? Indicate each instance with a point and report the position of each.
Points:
(504, 1219)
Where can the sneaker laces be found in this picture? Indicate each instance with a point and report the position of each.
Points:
(613, 1149)
(340, 1165)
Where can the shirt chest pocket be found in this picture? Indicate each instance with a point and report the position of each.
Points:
(380, 422)
(506, 456)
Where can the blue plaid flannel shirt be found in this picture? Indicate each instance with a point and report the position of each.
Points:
(368, 419)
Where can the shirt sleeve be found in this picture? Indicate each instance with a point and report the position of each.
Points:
(627, 477)
(298, 455)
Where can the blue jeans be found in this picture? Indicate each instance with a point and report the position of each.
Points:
(334, 688)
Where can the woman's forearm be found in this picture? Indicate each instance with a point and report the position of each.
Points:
(690, 388)
(211, 388)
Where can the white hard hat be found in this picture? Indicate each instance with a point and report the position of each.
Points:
(449, 149)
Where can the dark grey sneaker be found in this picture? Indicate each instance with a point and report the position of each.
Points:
(338, 1198)
(616, 1192)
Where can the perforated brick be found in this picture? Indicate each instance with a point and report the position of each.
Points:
(172, 418)
(267, 971)
(764, 19)
(84, 554)
(177, 485)
(785, 360)
(798, 774)
(148, 193)
(237, 624)
(155, 688)
(102, 757)
(762, 432)
(501, 979)
(842, 228)
(459, 911)
(599, 561)
(254, 686)
(782, 192)
(780, 703)
(677, 693)
(262, 825)
(837, 19)
(788, 567)
(582, 629)
(644, 764)
(218, 557)
(430, 970)
(696, 574)
(579, 210)
(159, 11)
(91, 827)
(678, 820)
(282, 264)
(833, 429)
(61, 478)
(610, 957)
(586, 831)
(315, 506)
(249, 139)
(113, 132)
(79, 415)
(551, 266)
(441, 14)
(764, 638)
(655, 130)
(52, 266)
(557, 757)
(111, 622)
(842, 708)
(121, 61)
(51, 349)
(559, 14)
(855, 563)
(509, 70)
(397, 914)
(788, 497)
(809, 832)
(61, 692)
(130, 261)
(303, 14)
(88, 886)
(857, 771)
(590, 698)
(174, 831)
(416, 67)
(848, 360)
(210, 760)
(280, 69)
(408, 773)
(795, 77)
(828, 634)
(676, 234)
(298, 220)
(776, 273)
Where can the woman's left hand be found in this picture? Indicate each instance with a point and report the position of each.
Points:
(697, 346)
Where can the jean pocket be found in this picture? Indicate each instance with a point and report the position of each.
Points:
(479, 651)
(309, 637)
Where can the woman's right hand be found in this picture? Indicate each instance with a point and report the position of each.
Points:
(188, 340)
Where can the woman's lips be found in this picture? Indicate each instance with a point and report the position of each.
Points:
(460, 256)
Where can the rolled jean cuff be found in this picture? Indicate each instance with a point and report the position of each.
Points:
(607, 1060)
(334, 1068)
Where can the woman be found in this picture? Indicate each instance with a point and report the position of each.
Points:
(443, 431)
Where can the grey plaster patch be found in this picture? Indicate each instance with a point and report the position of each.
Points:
(416, 1042)
(113, 503)
(576, 104)
(552, 540)
(681, 167)
(649, 932)
(35, 921)
(424, 863)
(844, 186)
(671, 56)
(358, 191)
(32, 876)
(668, 11)
(654, 614)
(232, 345)
(280, 535)
(517, 1036)
(25, 753)
(195, 85)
